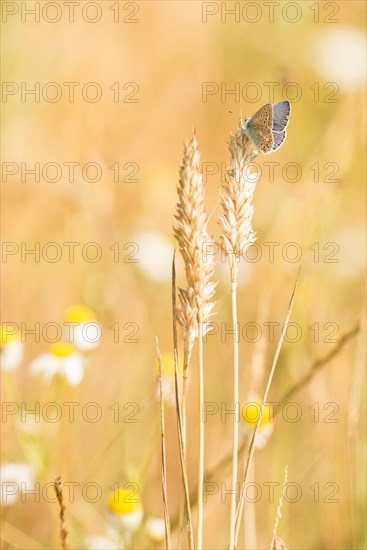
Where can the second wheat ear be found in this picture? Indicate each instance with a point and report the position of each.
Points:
(237, 234)
(195, 305)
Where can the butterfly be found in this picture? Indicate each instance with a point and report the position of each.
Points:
(266, 128)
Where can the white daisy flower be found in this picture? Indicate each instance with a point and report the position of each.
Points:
(154, 255)
(15, 477)
(11, 349)
(94, 542)
(339, 55)
(84, 331)
(62, 359)
(155, 529)
(248, 418)
(126, 513)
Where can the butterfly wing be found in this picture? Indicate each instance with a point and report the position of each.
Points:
(278, 138)
(264, 141)
(281, 112)
(259, 127)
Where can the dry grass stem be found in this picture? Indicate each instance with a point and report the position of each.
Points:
(264, 401)
(60, 500)
(235, 416)
(354, 417)
(250, 534)
(195, 307)
(255, 378)
(182, 448)
(317, 365)
(163, 452)
(279, 544)
(257, 366)
(314, 368)
(273, 545)
(237, 235)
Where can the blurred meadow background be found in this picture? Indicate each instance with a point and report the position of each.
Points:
(318, 202)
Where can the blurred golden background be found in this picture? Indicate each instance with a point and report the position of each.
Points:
(164, 69)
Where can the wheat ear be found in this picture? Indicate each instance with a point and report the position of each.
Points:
(195, 306)
(237, 235)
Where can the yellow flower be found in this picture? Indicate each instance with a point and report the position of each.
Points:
(250, 414)
(126, 512)
(6, 336)
(85, 332)
(62, 349)
(122, 502)
(79, 314)
(168, 365)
